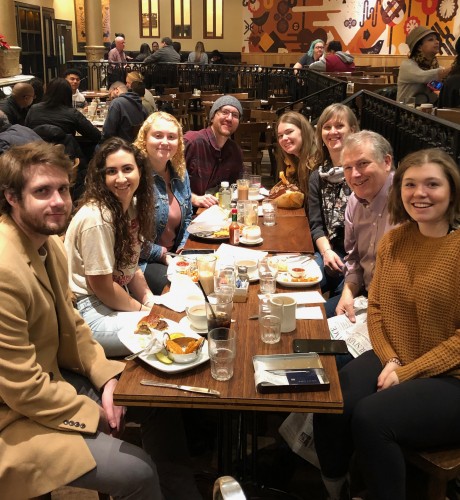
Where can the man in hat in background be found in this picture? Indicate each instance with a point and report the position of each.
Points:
(211, 155)
(422, 67)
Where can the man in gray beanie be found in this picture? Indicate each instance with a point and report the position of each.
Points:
(211, 155)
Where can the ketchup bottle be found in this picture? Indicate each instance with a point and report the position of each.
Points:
(234, 229)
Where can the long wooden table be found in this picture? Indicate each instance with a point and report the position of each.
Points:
(240, 393)
(291, 233)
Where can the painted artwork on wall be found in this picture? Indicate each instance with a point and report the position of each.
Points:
(362, 26)
(81, 26)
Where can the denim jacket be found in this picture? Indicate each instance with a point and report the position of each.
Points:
(151, 252)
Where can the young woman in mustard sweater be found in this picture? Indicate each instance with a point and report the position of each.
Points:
(406, 391)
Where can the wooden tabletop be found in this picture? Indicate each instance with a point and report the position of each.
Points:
(291, 233)
(239, 393)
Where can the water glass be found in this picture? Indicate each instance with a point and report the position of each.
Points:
(206, 266)
(270, 329)
(219, 310)
(265, 307)
(269, 212)
(224, 280)
(267, 282)
(222, 351)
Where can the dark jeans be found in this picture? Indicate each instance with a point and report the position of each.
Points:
(419, 413)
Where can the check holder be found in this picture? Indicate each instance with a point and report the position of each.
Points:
(289, 373)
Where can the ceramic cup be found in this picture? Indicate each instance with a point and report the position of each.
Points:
(285, 309)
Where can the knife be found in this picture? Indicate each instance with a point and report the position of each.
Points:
(189, 388)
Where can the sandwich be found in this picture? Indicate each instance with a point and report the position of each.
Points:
(150, 322)
(286, 194)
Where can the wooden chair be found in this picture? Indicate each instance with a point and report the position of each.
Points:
(171, 90)
(441, 466)
(200, 113)
(367, 79)
(273, 100)
(248, 135)
(269, 116)
(181, 105)
(450, 114)
(240, 95)
(372, 87)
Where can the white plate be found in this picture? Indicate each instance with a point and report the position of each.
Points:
(312, 271)
(251, 242)
(187, 327)
(135, 342)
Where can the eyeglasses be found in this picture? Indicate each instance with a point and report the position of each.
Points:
(227, 113)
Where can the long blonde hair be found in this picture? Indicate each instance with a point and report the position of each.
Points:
(178, 160)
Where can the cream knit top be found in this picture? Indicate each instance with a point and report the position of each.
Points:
(414, 303)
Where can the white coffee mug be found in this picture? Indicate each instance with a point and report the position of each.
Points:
(285, 309)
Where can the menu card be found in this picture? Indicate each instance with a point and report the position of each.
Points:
(289, 373)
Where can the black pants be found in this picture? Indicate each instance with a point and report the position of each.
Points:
(419, 413)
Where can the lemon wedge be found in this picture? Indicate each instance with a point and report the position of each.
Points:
(173, 336)
(163, 358)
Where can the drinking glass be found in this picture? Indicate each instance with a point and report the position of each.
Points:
(270, 329)
(242, 187)
(222, 351)
(219, 310)
(268, 271)
(206, 266)
(269, 212)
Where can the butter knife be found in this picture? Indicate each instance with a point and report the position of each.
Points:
(189, 388)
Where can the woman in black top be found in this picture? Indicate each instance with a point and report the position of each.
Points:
(328, 194)
(56, 109)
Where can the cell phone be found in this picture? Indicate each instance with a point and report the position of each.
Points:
(326, 346)
(197, 251)
(435, 85)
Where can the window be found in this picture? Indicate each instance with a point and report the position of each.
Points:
(213, 19)
(181, 19)
(149, 22)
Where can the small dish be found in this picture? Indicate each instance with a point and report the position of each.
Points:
(259, 197)
(251, 242)
(186, 326)
(182, 344)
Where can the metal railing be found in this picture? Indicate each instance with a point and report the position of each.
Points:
(406, 128)
(308, 92)
(260, 82)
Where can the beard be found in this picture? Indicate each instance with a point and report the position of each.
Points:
(40, 224)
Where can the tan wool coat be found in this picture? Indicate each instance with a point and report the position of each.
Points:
(42, 418)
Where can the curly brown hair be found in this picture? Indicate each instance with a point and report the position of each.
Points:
(98, 193)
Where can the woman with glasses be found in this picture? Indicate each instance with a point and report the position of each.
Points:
(160, 139)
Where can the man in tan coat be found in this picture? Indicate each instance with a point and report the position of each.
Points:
(53, 432)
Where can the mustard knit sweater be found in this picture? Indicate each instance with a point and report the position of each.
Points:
(414, 303)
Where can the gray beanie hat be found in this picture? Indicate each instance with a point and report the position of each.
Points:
(225, 100)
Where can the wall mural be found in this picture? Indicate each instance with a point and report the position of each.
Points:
(81, 26)
(363, 27)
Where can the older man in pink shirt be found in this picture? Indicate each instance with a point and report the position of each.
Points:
(367, 160)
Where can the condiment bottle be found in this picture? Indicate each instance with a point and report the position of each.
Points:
(225, 195)
(234, 229)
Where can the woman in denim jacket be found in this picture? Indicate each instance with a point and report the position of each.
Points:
(161, 140)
